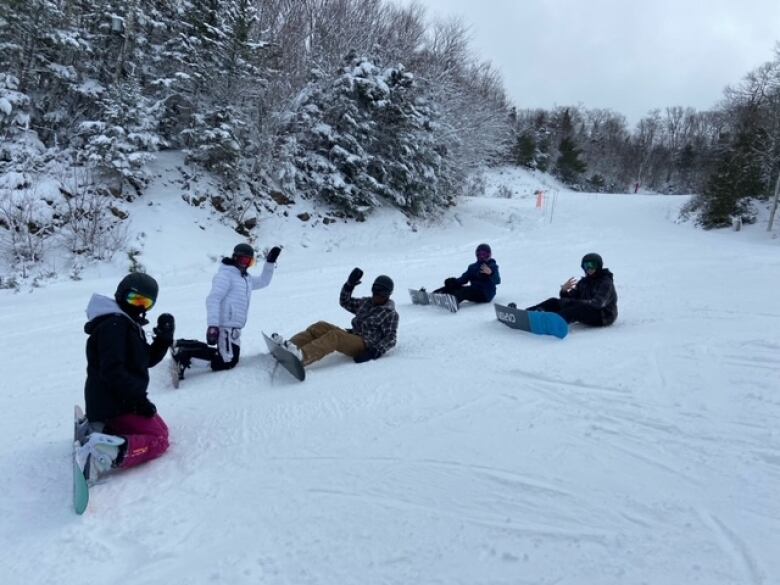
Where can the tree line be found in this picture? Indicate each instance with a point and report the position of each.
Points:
(728, 156)
(350, 102)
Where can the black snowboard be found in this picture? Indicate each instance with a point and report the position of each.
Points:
(291, 363)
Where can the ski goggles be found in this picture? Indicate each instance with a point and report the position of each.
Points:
(483, 255)
(589, 265)
(136, 299)
(245, 261)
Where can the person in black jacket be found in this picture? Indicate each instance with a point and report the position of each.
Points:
(591, 300)
(478, 283)
(123, 424)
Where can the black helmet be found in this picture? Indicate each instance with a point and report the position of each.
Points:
(484, 248)
(137, 282)
(383, 285)
(244, 250)
(594, 258)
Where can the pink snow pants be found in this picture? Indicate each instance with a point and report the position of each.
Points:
(147, 438)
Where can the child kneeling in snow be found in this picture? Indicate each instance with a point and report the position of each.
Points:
(123, 428)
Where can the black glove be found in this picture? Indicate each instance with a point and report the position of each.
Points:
(451, 283)
(366, 355)
(146, 408)
(166, 325)
(273, 254)
(212, 335)
(354, 277)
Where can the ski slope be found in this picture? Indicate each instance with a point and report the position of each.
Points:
(647, 452)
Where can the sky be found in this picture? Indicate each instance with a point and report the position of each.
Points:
(620, 54)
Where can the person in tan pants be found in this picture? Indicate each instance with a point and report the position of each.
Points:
(322, 338)
(373, 332)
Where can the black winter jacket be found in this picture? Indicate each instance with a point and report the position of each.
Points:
(482, 282)
(596, 291)
(118, 361)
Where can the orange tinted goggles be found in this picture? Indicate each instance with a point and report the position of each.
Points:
(138, 300)
(245, 261)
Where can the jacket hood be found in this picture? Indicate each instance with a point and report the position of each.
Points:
(101, 306)
(228, 263)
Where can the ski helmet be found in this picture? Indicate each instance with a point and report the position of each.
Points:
(243, 249)
(484, 249)
(383, 285)
(136, 282)
(594, 259)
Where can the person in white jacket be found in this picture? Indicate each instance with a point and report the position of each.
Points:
(227, 307)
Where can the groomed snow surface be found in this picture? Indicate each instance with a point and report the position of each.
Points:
(646, 452)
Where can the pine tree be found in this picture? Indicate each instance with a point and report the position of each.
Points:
(569, 167)
(524, 152)
(367, 135)
(737, 179)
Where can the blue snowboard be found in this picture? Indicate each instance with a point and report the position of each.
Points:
(538, 322)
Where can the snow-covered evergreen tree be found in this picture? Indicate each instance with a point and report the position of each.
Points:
(365, 136)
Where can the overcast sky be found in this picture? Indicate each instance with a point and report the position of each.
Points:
(626, 55)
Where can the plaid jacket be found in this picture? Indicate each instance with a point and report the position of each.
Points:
(376, 324)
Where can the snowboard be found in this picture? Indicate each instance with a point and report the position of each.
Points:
(443, 300)
(419, 296)
(539, 322)
(80, 485)
(290, 363)
(173, 370)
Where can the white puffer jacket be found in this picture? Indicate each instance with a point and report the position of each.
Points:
(227, 305)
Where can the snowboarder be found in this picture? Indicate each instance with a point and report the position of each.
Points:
(118, 362)
(591, 300)
(374, 327)
(227, 307)
(483, 276)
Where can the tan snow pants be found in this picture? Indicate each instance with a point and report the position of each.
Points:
(323, 338)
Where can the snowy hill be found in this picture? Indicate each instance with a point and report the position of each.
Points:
(646, 452)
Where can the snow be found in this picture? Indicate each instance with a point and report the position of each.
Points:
(647, 452)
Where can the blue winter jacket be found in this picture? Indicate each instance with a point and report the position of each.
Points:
(482, 282)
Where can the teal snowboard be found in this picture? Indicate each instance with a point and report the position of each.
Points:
(80, 486)
(538, 322)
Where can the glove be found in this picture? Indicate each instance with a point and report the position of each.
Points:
(366, 355)
(354, 277)
(451, 283)
(166, 325)
(273, 254)
(212, 335)
(146, 408)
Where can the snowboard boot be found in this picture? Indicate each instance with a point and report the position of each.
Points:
(293, 349)
(514, 306)
(180, 358)
(288, 345)
(99, 454)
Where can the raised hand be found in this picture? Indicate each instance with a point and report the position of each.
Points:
(354, 277)
(569, 285)
(273, 254)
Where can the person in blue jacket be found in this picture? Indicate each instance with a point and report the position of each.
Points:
(478, 283)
